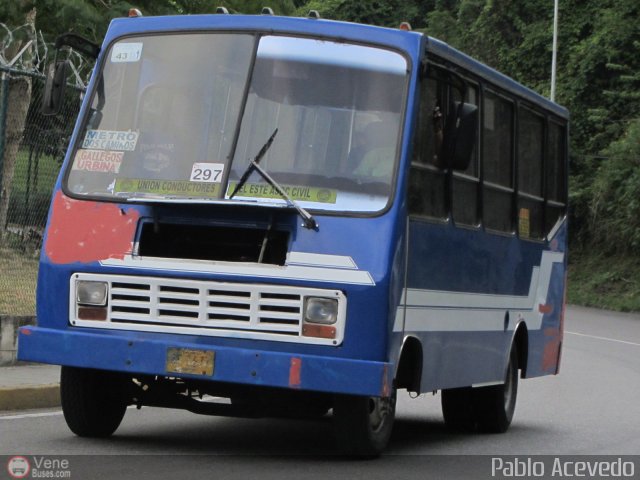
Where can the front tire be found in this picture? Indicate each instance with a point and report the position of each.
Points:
(363, 425)
(93, 401)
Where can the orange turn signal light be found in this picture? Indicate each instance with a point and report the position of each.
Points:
(319, 331)
(92, 313)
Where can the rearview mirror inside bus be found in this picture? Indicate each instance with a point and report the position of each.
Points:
(460, 136)
(54, 87)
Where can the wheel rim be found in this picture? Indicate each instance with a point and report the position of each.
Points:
(380, 409)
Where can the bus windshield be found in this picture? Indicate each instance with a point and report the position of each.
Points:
(181, 116)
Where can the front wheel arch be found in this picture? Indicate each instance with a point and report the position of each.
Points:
(409, 370)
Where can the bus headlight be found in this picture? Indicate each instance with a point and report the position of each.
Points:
(91, 293)
(321, 310)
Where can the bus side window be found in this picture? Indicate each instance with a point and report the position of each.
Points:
(530, 163)
(497, 162)
(427, 182)
(555, 173)
(466, 184)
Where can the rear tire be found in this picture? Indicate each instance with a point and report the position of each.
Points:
(489, 409)
(363, 425)
(495, 405)
(457, 409)
(93, 401)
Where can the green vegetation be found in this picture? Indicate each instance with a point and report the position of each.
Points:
(604, 281)
(18, 274)
(19, 254)
(29, 201)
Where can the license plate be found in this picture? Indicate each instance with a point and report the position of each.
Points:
(193, 362)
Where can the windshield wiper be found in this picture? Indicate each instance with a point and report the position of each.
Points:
(307, 219)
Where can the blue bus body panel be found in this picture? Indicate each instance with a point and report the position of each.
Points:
(468, 291)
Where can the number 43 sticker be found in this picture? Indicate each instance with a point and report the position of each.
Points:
(207, 172)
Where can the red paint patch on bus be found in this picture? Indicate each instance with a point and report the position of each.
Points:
(86, 231)
(551, 349)
(545, 309)
(386, 387)
(294, 372)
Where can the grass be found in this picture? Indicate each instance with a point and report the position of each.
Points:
(611, 282)
(18, 275)
(18, 255)
(48, 169)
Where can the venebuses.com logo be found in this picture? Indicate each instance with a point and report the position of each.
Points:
(38, 467)
(18, 467)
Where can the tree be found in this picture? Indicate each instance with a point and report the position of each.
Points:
(614, 200)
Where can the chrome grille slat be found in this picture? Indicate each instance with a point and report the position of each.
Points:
(281, 303)
(283, 315)
(180, 296)
(130, 303)
(224, 299)
(230, 311)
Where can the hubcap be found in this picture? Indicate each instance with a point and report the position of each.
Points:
(379, 410)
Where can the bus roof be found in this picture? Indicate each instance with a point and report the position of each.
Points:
(390, 37)
(448, 53)
(386, 37)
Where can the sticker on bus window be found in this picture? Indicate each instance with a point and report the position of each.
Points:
(166, 187)
(295, 192)
(207, 172)
(98, 161)
(126, 52)
(110, 140)
(524, 222)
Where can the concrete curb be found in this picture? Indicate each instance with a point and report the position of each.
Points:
(29, 397)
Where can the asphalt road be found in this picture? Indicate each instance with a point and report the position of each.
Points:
(591, 408)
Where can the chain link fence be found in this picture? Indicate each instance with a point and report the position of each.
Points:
(32, 149)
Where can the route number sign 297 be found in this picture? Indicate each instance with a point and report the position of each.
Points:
(207, 172)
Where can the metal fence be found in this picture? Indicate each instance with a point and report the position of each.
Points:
(31, 153)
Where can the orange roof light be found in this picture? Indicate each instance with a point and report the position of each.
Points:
(134, 12)
(406, 26)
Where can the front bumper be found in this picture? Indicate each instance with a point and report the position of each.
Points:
(129, 353)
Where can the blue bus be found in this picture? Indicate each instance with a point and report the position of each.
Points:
(267, 216)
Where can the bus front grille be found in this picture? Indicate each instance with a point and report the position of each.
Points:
(203, 307)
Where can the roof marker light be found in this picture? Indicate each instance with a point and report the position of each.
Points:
(222, 10)
(266, 11)
(314, 14)
(406, 26)
(134, 12)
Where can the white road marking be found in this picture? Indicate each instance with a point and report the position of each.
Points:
(40, 414)
(30, 415)
(604, 338)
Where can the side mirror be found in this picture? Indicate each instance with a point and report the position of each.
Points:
(460, 136)
(59, 69)
(54, 88)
